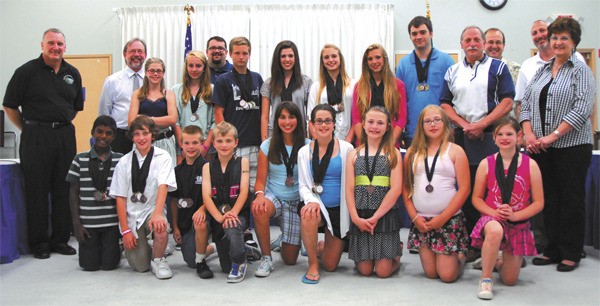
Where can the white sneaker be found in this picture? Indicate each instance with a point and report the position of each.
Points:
(276, 244)
(160, 268)
(265, 267)
(169, 250)
(485, 289)
(237, 273)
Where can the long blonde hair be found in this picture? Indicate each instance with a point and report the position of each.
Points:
(323, 71)
(418, 148)
(391, 96)
(205, 86)
(387, 141)
(145, 86)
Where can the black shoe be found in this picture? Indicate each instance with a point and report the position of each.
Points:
(566, 268)
(583, 254)
(63, 248)
(203, 270)
(541, 261)
(41, 254)
(523, 263)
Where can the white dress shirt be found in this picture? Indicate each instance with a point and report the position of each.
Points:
(115, 97)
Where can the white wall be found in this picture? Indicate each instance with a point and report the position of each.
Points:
(91, 27)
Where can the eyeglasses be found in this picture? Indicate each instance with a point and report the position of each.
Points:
(562, 38)
(157, 71)
(435, 121)
(321, 122)
(220, 49)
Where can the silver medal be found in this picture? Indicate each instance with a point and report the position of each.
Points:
(134, 198)
(143, 198)
(194, 117)
(318, 189)
(99, 196)
(224, 208)
(429, 188)
(289, 181)
(370, 188)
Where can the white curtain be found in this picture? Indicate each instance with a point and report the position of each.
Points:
(352, 27)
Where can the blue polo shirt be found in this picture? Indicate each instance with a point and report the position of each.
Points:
(417, 100)
(474, 91)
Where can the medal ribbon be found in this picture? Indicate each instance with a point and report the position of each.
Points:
(319, 169)
(245, 84)
(371, 171)
(289, 161)
(506, 183)
(140, 175)
(430, 173)
(286, 93)
(195, 102)
(377, 92)
(222, 183)
(98, 175)
(422, 69)
(334, 91)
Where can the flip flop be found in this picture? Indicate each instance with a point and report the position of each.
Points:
(315, 281)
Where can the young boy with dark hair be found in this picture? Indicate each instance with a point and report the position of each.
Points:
(225, 188)
(140, 184)
(189, 215)
(94, 213)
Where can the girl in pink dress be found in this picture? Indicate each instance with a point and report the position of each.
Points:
(511, 180)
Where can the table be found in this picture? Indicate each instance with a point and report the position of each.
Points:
(13, 220)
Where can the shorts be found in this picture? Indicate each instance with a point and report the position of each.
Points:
(251, 153)
(334, 217)
(290, 219)
(450, 239)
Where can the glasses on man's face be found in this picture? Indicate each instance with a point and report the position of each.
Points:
(321, 121)
(213, 49)
(435, 121)
(157, 71)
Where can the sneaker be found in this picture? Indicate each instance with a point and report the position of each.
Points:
(265, 267)
(178, 247)
(252, 253)
(477, 264)
(485, 289)
(169, 250)
(203, 270)
(160, 268)
(237, 273)
(276, 244)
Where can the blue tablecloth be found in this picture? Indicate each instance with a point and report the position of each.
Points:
(592, 203)
(13, 220)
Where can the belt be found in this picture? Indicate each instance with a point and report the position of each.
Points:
(164, 134)
(54, 125)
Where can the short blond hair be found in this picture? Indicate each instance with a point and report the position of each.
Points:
(223, 129)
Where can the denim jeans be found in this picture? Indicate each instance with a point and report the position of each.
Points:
(188, 248)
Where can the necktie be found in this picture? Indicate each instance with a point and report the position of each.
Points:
(136, 81)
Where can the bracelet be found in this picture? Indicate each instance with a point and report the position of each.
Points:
(556, 133)
(259, 191)
(413, 220)
(125, 232)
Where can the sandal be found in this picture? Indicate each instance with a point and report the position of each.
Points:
(314, 281)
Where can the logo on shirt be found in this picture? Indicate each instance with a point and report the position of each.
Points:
(198, 180)
(69, 79)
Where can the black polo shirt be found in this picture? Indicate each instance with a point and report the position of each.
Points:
(44, 95)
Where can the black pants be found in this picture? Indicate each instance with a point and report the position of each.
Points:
(563, 175)
(46, 155)
(101, 250)
(122, 143)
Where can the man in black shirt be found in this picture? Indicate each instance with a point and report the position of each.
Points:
(49, 94)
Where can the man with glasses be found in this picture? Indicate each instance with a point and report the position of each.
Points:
(216, 49)
(115, 97)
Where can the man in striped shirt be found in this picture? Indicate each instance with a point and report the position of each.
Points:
(95, 222)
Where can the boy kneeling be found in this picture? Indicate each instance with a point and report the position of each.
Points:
(140, 184)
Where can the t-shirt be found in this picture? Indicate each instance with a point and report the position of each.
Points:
(278, 174)
(183, 171)
(227, 94)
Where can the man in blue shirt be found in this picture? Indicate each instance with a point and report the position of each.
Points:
(216, 51)
(423, 82)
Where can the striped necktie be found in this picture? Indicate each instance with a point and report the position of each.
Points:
(136, 81)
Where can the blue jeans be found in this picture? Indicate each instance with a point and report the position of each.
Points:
(232, 247)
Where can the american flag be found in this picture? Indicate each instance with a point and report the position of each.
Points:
(188, 37)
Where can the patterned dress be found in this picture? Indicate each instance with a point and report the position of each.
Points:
(385, 243)
(518, 239)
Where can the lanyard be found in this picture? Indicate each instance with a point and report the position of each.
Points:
(429, 173)
(422, 69)
(334, 91)
(319, 169)
(506, 183)
(371, 171)
(140, 175)
(99, 171)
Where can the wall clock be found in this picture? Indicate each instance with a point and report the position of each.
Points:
(493, 4)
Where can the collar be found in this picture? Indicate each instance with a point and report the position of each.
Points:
(434, 55)
(94, 154)
(481, 61)
(225, 68)
(552, 60)
(40, 61)
(129, 72)
(139, 155)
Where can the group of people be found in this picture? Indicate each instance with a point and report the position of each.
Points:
(223, 147)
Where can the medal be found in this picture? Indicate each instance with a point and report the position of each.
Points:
(194, 117)
(244, 104)
(143, 198)
(134, 198)
(429, 172)
(289, 181)
(224, 208)
(99, 196)
(420, 87)
(185, 203)
(370, 188)
(426, 87)
(318, 189)
(429, 188)
(339, 107)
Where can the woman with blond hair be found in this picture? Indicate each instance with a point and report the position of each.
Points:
(378, 86)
